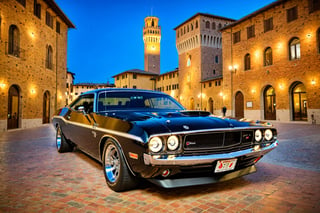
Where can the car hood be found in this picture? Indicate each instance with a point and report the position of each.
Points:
(167, 122)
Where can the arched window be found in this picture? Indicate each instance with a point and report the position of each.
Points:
(213, 25)
(220, 25)
(189, 61)
(247, 65)
(207, 24)
(14, 41)
(294, 49)
(268, 56)
(49, 54)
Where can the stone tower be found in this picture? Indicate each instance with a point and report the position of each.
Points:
(151, 39)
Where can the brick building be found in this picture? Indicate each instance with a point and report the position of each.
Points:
(271, 63)
(33, 58)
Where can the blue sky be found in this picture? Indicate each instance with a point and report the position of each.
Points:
(108, 35)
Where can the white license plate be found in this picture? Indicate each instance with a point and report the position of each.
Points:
(225, 165)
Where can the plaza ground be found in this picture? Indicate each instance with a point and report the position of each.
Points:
(34, 177)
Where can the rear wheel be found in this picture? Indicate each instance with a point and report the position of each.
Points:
(115, 169)
(62, 143)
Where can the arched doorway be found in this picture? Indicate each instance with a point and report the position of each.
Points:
(210, 104)
(269, 97)
(46, 108)
(13, 107)
(239, 105)
(191, 104)
(299, 102)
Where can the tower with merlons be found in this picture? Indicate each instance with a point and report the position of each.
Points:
(151, 39)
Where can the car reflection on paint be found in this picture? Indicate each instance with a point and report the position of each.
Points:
(145, 134)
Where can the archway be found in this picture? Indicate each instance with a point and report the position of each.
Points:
(239, 105)
(13, 107)
(210, 104)
(269, 98)
(46, 108)
(299, 102)
(191, 104)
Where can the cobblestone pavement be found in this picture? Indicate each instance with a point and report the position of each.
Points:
(34, 177)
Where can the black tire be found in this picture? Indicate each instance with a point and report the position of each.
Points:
(62, 143)
(118, 176)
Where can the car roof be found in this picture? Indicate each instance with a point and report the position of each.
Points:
(120, 90)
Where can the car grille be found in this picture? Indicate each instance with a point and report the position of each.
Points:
(218, 142)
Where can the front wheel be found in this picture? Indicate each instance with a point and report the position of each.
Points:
(61, 142)
(115, 169)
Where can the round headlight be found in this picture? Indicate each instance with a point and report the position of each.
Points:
(268, 135)
(173, 143)
(258, 135)
(155, 144)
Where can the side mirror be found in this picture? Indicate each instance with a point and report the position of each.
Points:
(81, 109)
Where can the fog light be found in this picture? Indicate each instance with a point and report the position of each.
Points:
(256, 148)
(166, 173)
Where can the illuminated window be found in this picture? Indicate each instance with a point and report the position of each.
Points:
(189, 61)
(268, 57)
(247, 65)
(294, 49)
(14, 41)
(49, 56)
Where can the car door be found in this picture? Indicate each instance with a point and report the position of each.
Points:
(81, 123)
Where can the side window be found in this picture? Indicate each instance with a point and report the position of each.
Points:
(83, 103)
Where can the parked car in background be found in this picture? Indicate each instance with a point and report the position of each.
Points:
(147, 134)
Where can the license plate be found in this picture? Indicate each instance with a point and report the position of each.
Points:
(225, 165)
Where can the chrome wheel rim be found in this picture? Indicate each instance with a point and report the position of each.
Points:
(58, 138)
(112, 163)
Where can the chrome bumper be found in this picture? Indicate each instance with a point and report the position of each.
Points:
(172, 160)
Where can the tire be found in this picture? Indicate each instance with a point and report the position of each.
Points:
(118, 176)
(62, 143)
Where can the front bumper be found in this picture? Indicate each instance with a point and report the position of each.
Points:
(182, 182)
(172, 160)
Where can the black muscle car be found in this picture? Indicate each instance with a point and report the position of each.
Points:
(147, 134)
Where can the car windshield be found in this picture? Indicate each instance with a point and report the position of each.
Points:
(136, 101)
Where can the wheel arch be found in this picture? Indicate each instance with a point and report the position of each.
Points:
(102, 143)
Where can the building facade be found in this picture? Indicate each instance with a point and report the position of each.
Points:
(135, 78)
(271, 63)
(33, 58)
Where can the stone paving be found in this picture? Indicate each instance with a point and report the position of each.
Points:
(34, 177)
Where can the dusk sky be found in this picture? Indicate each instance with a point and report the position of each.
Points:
(108, 35)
